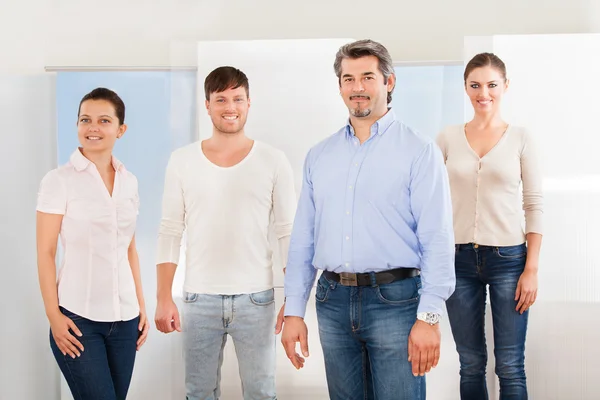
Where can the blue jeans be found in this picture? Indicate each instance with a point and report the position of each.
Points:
(477, 267)
(250, 321)
(103, 372)
(364, 335)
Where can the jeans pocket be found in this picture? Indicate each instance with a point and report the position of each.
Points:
(189, 297)
(511, 251)
(263, 298)
(400, 292)
(71, 315)
(323, 288)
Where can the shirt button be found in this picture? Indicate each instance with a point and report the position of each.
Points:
(347, 212)
(356, 164)
(350, 187)
(347, 264)
(347, 237)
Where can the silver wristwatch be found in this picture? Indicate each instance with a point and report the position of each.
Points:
(429, 317)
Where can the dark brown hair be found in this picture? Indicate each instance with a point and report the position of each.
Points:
(107, 95)
(485, 60)
(365, 48)
(224, 78)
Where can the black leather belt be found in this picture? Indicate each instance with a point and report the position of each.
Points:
(364, 279)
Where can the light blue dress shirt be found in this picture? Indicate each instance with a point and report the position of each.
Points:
(373, 207)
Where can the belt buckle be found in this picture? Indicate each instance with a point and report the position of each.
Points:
(348, 279)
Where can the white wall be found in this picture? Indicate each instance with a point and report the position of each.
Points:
(35, 33)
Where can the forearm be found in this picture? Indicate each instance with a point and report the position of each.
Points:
(134, 263)
(47, 281)
(165, 274)
(534, 245)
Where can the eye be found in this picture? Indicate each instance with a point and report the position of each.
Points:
(104, 121)
(369, 78)
(493, 85)
(239, 100)
(475, 86)
(84, 120)
(347, 79)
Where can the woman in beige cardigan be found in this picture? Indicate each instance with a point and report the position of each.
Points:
(488, 160)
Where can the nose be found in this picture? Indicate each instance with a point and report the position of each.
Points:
(358, 86)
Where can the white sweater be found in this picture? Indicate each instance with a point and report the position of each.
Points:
(226, 213)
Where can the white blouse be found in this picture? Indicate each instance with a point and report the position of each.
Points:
(94, 279)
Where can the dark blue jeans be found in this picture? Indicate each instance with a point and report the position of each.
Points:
(364, 335)
(477, 267)
(103, 372)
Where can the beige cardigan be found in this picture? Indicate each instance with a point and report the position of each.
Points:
(486, 192)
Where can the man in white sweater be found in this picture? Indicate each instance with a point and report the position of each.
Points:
(223, 191)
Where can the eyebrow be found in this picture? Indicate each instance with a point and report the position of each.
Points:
(363, 74)
(494, 81)
(104, 115)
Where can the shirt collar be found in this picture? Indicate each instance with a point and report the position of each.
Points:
(379, 127)
(80, 162)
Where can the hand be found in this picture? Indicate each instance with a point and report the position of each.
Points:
(167, 316)
(279, 324)
(67, 343)
(143, 327)
(295, 330)
(526, 293)
(424, 347)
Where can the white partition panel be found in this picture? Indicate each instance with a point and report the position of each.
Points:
(28, 151)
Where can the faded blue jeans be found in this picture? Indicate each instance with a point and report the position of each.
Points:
(364, 335)
(250, 321)
(477, 267)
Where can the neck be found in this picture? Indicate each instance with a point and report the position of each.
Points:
(102, 160)
(227, 140)
(487, 120)
(362, 126)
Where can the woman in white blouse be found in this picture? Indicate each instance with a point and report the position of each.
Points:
(488, 161)
(96, 306)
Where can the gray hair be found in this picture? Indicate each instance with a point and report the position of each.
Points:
(364, 48)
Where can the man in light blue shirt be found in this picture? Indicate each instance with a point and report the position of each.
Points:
(375, 215)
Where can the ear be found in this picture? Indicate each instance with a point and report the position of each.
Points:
(506, 84)
(122, 130)
(207, 104)
(391, 83)
(249, 102)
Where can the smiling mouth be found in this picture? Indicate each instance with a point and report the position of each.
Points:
(93, 138)
(359, 98)
(230, 117)
(484, 102)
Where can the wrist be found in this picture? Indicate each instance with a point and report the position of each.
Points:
(531, 267)
(53, 312)
(429, 318)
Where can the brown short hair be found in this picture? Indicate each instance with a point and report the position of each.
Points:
(485, 60)
(365, 48)
(224, 78)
